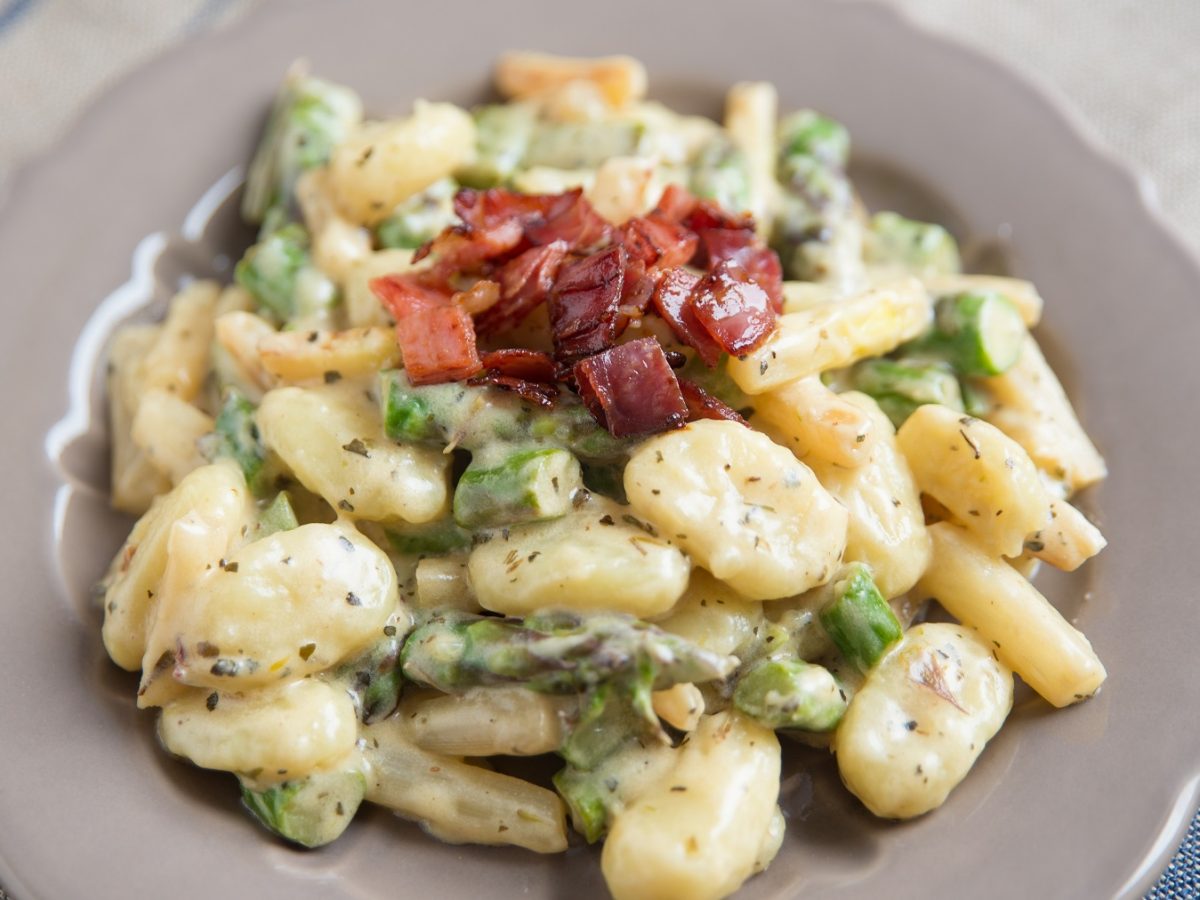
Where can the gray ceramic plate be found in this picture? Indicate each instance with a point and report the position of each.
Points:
(1081, 803)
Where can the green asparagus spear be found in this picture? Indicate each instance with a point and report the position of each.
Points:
(431, 539)
(419, 218)
(720, 173)
(900, 386)
(978, 332)
(555, 653)
(236, 436)
(859, 619)
(920, 247)
(612, 714)
(310, 811)
(526, 486)
(808, 133)
(374, 679)
(782, 692)
(581, 145)
(308, 119)
(815, 217)
(278, 272)
(475, 417)
(595, 795)
(502, 135)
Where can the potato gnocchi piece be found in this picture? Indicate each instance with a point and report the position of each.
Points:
(622, 188)
(887, 524)
(292, 604)
(742, 506)
(835, 334)
(167, 430)
(363, 308)
(285, 731)
(331, 437)
(921, 719)
(293, 356)
(338, 245)
(979, 474)
(524, 76)
(594, 558)
(239, 335)
(680, 706)
(135, 480)
(382, 163)
(816, 424)
(179, 360)
(700, 831)
(713, 615)
(217, 492)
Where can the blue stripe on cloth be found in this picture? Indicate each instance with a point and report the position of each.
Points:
(13, 10)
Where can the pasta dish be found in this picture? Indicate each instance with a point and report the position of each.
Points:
(573, 426)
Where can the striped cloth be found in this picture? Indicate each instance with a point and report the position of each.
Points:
(1148, 111)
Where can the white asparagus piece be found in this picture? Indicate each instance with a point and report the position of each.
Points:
(1029, 635)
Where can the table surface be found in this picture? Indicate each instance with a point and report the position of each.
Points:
(1129, 66)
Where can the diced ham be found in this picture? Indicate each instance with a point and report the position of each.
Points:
(516, 362)
(532, 391)
(703, 405)
(675, 203)
(525, 283)
(436, 337)
(735, 311)
(673, 301)
(571, 218)
(584, 302)
(631, 390)
(657, 241)
(741, 246)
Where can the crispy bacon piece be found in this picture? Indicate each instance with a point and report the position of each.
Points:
(703, 405)
(570, 217)
(741, 246)
(583, 304)
(525, 282)
(437, 338)
(533, 391)
(673, 301)
(674, 204)
(655, 240)
(733, 309)
(631, 390)
(515, 362)
(479, 298)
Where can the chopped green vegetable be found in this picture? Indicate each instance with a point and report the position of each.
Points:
(859, 619)
(554, 652)
(978, 332)
(920, 247)
(236, 436)
(581, 145)
(431, 539)
(588, 800)
(900, 386)
(502, 135)
(374, 679)
(311, 811)
(808, 133)
(308, 119)
(788, 693)
(271, 268)
(526, 486)
(419, 218)
(720, 173)
(277, 516)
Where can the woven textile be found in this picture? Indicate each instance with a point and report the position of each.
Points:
(1130, 66)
